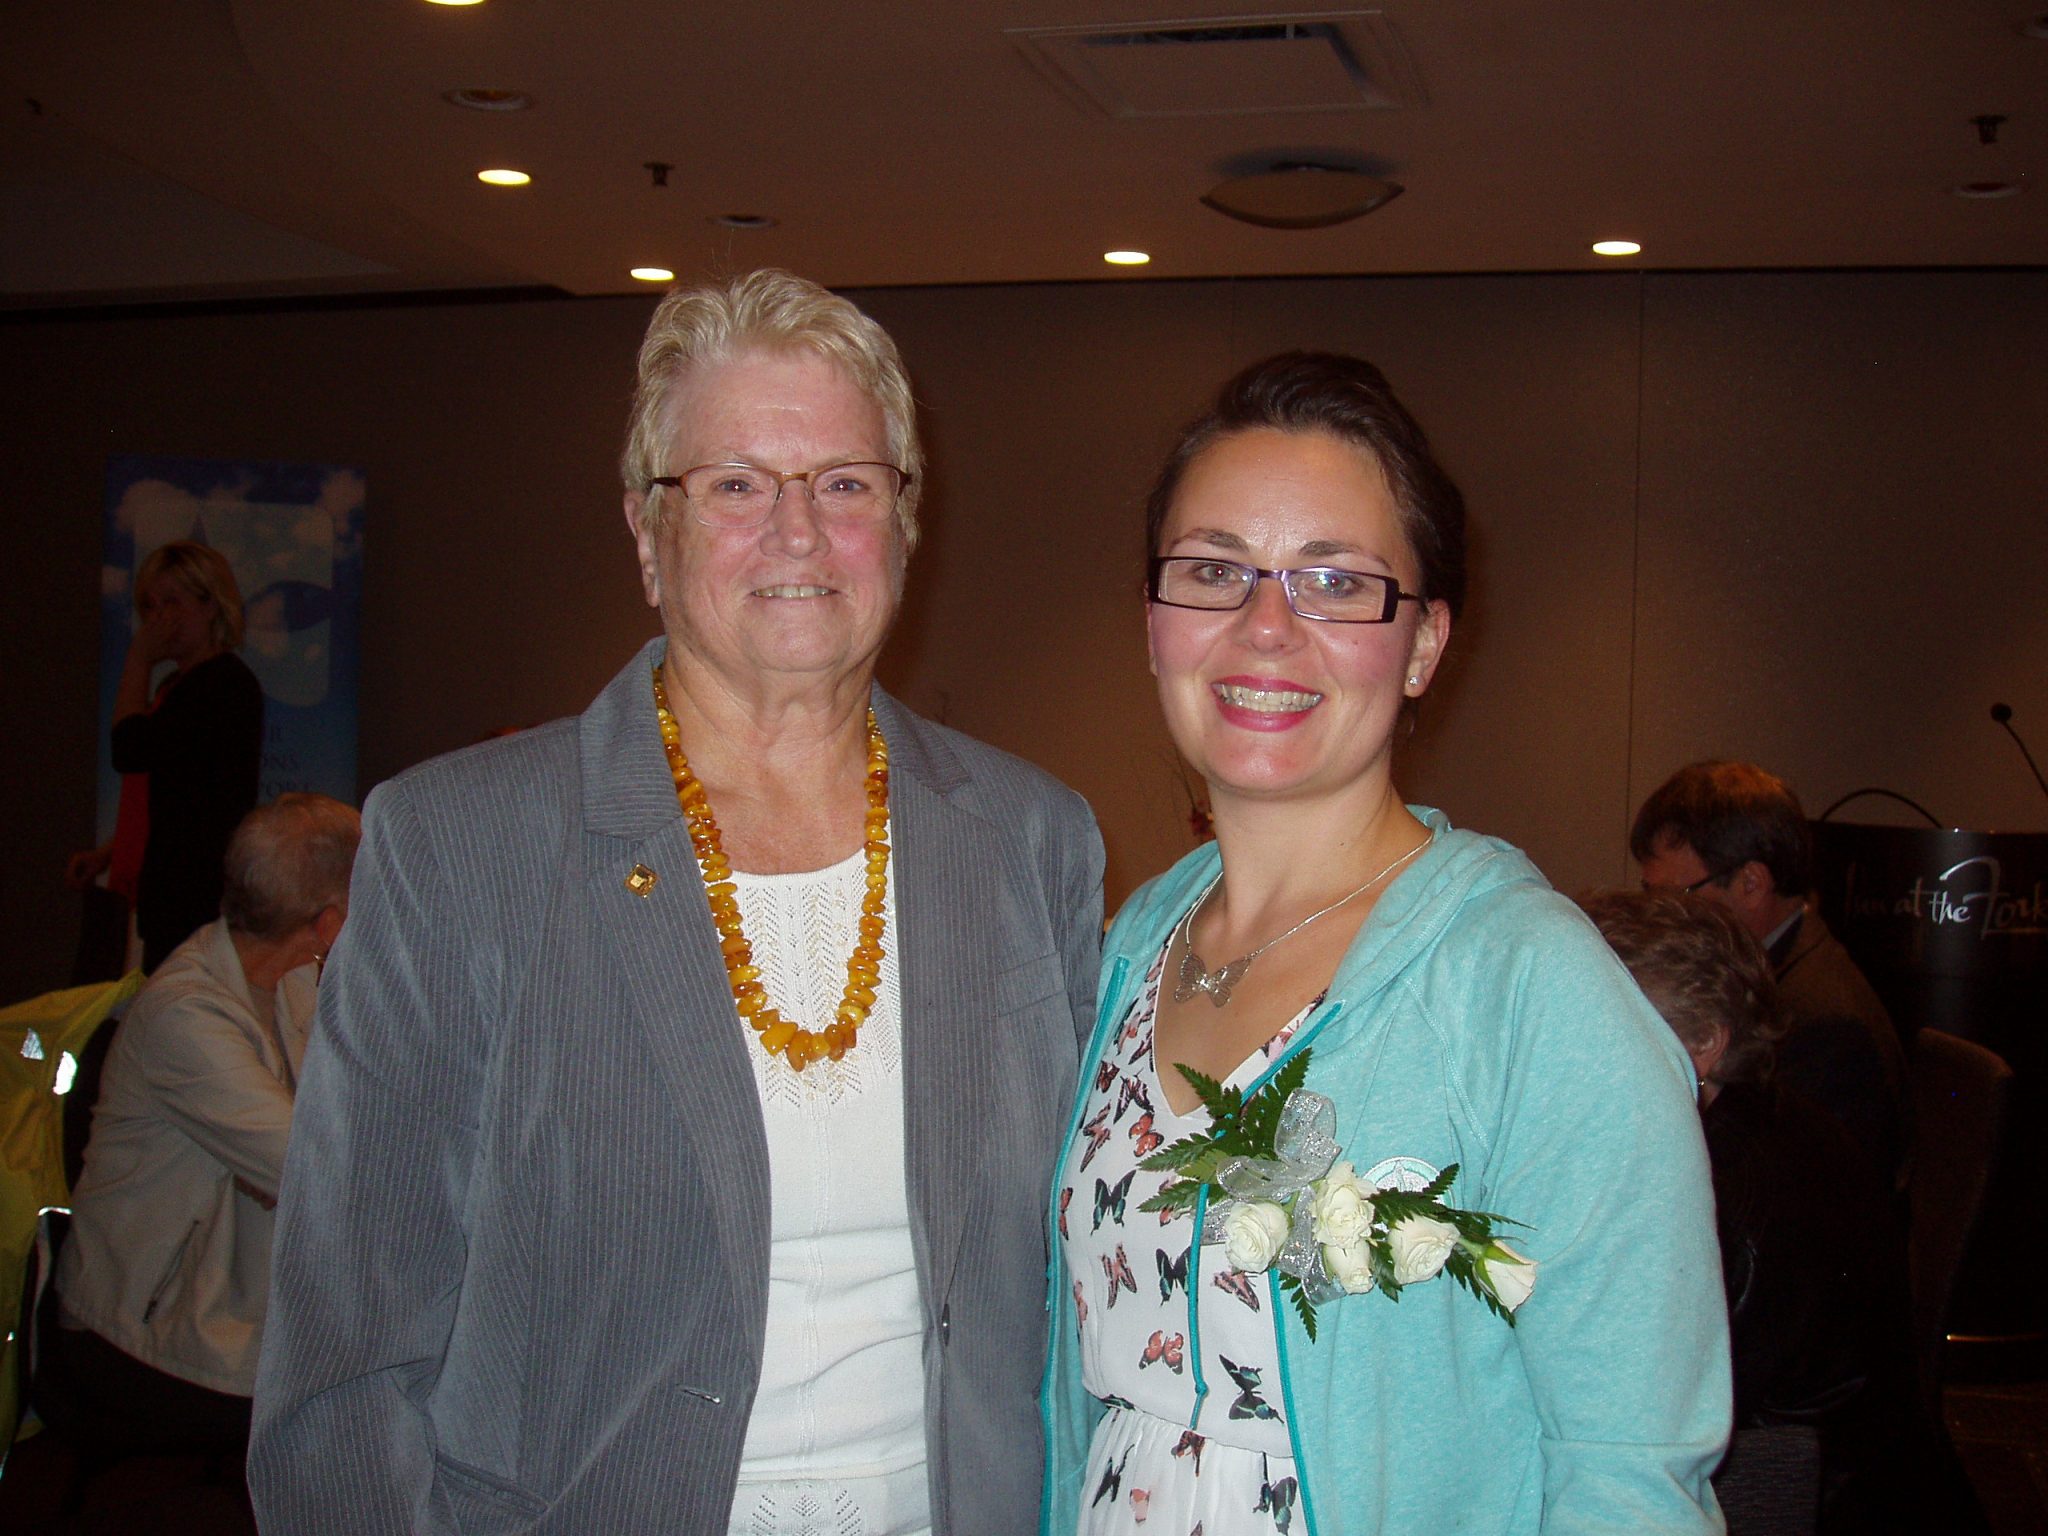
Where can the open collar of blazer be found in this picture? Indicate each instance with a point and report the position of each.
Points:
(950, 881)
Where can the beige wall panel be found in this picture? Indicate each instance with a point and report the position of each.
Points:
(1841, 538)
(1845, 535)
(1047, 411)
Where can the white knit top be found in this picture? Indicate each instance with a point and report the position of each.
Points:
(836, 1443)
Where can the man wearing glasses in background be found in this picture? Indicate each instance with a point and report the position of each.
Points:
(1735, 835)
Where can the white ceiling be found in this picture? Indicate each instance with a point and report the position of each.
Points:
(248, 148)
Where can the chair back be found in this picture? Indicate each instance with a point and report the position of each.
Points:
(1959, 1102)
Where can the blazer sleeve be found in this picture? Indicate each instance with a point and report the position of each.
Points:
(1078, 917)
(369, 1251)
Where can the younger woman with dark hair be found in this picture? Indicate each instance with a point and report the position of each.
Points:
(1456, 1029)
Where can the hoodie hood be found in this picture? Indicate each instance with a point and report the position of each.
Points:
(1405, 923)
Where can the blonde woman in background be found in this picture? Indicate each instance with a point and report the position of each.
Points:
(190, 752)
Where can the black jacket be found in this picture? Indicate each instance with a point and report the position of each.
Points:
(202, 747)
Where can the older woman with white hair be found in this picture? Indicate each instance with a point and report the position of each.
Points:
(689, 1080)
(165, 1277)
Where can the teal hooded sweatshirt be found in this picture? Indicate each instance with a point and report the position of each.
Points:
(1477, 1019)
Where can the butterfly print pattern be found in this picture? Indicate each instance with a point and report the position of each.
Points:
(1238, 1284)
(1118, 1272)
(1165, 1458)
(1250, 1404)
(1173, 1273)
(1097, 1131)
(1163, 1349)
(1277, 1500)
(1132, 1092)
(1112, 1479)
(1109, 1199)
(1144, 1139)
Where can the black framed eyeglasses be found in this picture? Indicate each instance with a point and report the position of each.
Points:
(744, 495)
(1712, 877)
(1326, 593)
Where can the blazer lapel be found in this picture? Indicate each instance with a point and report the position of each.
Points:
(667, 950)
(947, 886)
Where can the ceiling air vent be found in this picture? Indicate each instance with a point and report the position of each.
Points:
(1227, 66)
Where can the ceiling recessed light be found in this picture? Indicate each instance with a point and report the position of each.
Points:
(482, 99)
(742, 221)
(652, 275)
(503, 178)
(1126, 258)
(1984, 191)
(1616, 248)
(455, 2)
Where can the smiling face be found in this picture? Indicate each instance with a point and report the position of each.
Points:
(1263, 703)
(799, 601)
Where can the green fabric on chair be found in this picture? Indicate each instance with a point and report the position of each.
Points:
(35, 1037)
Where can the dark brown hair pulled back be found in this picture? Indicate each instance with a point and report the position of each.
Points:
(1350, 400)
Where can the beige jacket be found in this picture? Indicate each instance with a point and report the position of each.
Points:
(167, 1258)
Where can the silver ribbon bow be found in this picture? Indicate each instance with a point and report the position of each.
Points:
(1304, 1146)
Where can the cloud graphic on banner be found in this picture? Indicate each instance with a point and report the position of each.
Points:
(155, 512)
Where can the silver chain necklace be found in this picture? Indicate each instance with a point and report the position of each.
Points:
(1194, 978)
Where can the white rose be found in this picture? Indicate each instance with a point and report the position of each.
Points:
(1343, 1206)
(1252, 1234)
(1420, 1244)
(1507, 1274)
(1349, 1264)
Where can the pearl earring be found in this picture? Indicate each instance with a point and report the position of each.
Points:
(1414, 681)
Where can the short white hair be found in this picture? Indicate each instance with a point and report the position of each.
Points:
(288, 862)
(769, 310)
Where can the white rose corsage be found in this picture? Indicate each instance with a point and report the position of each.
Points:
(1281, 1198)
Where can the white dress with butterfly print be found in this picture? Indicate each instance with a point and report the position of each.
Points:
(1166, 1459)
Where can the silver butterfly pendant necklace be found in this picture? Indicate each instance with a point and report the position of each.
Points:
(1194, 979)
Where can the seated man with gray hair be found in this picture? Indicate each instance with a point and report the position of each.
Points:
(165, 1278)
(1736, 836)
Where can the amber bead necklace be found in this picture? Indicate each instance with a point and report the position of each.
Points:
(779, 1036)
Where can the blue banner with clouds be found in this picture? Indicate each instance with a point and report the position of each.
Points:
(293, 534)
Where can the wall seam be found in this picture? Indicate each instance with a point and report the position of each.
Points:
(1635, 580)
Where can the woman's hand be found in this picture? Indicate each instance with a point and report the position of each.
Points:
(156, 637)
(81, 869)
(150, 645)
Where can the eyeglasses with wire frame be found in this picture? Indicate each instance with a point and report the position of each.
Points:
(1326, 593)
(744, 495)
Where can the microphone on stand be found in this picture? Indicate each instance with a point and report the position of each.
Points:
(2002, 713)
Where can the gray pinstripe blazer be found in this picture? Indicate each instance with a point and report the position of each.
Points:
(520, 1276)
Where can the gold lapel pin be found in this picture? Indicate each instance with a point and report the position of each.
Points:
(641, 881)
